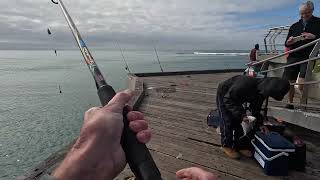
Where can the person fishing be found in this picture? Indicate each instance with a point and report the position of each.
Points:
(231, 95)
(97, 153)
(112, 135)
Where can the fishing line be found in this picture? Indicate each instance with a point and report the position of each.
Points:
(123, 58)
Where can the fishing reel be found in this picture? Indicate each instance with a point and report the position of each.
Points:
(54, 2)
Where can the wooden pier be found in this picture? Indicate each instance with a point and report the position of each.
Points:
(176, 106)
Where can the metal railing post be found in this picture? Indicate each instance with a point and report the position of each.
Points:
(314, 53)
(265, 41)
(274, 39)
(270, 41)
(265, 45)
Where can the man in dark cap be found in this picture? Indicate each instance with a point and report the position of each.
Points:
(231, 96)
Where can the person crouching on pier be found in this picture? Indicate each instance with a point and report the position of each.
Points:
(231, 96)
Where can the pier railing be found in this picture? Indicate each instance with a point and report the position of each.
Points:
(271, 37)
(313, 57)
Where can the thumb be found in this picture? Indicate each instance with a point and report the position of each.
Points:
(184, 173)
(117, 103)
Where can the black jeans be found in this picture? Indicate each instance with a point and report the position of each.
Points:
(230, 128)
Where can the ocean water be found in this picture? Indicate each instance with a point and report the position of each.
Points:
(36, 120)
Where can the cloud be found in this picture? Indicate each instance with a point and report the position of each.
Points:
(172, 23)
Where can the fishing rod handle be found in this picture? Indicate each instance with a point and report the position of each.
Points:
(137, 154)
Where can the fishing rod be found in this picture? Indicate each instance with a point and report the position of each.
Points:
(137, 154)
(124, 60)
(155, 50)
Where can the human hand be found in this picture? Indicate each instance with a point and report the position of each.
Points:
(290, 41)
(195, 173)
(308, 35)
(97, 153)
(264, 129)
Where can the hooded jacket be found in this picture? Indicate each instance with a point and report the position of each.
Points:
(241, 89)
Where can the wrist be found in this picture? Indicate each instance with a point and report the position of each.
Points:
(80, 165)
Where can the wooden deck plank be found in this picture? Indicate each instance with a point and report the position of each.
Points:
(169, 165)
(213, 159)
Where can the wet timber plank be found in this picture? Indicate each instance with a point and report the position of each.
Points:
(169, 165)
(211, 156)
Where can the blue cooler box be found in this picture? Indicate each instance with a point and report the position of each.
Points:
(272, 151)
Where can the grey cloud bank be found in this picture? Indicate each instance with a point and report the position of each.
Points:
(176, 24)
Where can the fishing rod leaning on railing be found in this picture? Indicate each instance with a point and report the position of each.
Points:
(137, 154)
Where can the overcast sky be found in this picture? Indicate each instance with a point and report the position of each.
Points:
(171, 24)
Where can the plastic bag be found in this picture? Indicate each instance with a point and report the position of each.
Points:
(247, 126)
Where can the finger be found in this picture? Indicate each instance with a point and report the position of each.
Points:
(144, 136)
(138, 125)
(118, 102)
(183, 173)
(135, 115)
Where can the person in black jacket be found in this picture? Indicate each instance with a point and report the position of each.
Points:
(231, 96)
(308, 29)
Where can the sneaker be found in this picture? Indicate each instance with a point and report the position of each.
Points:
(231, 153)
(246, 153)
(289, 106)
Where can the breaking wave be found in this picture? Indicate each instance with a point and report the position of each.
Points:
(221, 54)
